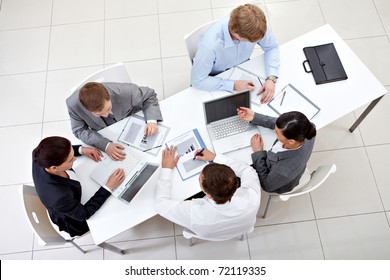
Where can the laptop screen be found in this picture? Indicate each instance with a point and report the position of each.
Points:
(225, 107)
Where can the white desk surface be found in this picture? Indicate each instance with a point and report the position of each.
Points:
(184, 111)
(115, 216)
(335, 99)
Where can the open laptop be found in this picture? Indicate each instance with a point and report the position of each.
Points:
(227, 132)
(138, 174)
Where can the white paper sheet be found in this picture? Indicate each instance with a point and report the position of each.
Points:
(186, 145)
(242, 74)
(291, 99)
(133, 135)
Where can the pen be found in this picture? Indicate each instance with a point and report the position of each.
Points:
(152, 148)
(259, 80)
(284, 93)
(198, 153)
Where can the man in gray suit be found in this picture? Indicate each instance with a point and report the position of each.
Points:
(98, 105)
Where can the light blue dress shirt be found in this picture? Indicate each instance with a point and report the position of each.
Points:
(217, 52)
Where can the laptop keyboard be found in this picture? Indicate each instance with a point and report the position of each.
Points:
(235, 126)
(128, 164)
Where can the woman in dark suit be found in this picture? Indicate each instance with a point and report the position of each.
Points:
(58, 188)
(281, 168)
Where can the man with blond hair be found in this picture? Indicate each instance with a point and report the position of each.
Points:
(230, 42)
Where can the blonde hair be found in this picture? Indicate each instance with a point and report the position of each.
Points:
(249, 22)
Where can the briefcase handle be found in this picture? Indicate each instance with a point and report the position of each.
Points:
(304, 67)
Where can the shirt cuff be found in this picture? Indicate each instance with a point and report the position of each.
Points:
(273, 72)
(81, 150)
(105, 187)
(166, 173)
(229, 85)
(107, 146)
(151, 121)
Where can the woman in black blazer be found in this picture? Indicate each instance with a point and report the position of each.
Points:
(58, 188)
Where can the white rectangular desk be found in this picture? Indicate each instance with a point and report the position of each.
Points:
(335, 99)
(184, 111)
(116, 216)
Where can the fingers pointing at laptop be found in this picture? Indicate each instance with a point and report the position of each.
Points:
(245, 114)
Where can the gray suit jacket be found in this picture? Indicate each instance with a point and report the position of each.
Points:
(280, 172)
(126, 99)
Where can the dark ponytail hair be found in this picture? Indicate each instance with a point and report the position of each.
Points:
(51, 151)
(296, 126)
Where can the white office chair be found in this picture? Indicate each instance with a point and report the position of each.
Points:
(114, 73)
(192, 39)
(187, 234)
(41, 225)
(316, 179)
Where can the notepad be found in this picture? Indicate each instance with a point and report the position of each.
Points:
(291, 99)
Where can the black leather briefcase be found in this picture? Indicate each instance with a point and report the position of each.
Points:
(324, 63)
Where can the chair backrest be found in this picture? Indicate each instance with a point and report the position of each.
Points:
(318, 177)
(38, 219)
(114, 73)
(189, 234)
(192, 39)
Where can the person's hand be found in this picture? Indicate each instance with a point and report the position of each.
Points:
(240, 85)
(206, 155)
(169, 160)
(150, 129)
(92, 153)
(257, 143)
(115, 179)
(245, 114)
(115, 151)
(267, 91)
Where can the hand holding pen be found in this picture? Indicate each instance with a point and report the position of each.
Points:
(150, 129)
(204, 154)
(198, 154)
